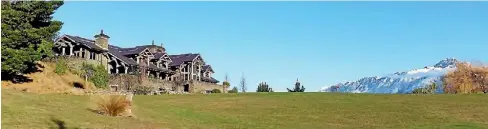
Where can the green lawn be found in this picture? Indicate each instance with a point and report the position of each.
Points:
(253, 110)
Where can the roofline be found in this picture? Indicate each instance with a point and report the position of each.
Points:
(119, 58)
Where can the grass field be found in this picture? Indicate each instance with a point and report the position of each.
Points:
(252, 110)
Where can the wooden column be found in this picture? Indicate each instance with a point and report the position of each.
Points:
(148, 61)
(137, 59)
(191, 72)
(81, 52)
(199, 72)
(63, 51)
(87, 54)
(126, 68)
(71, 50)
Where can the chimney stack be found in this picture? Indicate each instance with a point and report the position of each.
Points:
(102, 40)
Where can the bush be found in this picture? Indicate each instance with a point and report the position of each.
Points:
(142, 90)
(234, 90)
(112, 105)
(96, 74)
(61, 66)
(430, 89)
(216, 91)
(466, 79)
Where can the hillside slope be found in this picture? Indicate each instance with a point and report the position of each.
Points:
(399, 82)
(47, 81)
(22, 110)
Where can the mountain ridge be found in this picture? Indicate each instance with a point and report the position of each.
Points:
(398, 82)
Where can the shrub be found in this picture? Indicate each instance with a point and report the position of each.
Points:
(96, 74)
(429, 89)
(216, 91)
(466, 79)
(234, 90)
(113, 105)
(225, 83)
(142, 90)
(100, 77)
(61, 66)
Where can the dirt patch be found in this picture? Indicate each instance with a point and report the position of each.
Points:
(47, 81)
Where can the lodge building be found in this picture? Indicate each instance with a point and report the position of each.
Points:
(151, 60)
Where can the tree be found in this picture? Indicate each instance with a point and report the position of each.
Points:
(466, 79)
(297, 87)
(264, 87)
(27, 35)
(226, 83)
(243, 84)
(234, 90)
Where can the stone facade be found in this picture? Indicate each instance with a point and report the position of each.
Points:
(125, 82)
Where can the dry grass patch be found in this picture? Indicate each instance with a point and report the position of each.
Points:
(47, 81)
(112, 105)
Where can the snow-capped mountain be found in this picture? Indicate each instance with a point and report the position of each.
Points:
(399, 82)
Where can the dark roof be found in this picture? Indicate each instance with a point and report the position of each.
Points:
(182, 58)
(158, 55)
(207, 67)
(131, 51)
(115, 52)
(86, 42)
(210, 79)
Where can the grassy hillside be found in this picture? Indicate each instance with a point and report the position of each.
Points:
(252, 110)
(47, 81)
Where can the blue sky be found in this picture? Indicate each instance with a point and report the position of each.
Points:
(321, 43)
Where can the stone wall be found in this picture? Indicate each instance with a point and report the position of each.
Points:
(123, 82)
(126, 82)
(199, 87)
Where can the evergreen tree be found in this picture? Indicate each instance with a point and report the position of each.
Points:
(27, 34)
(234, 90)
(264, 87)
(297, 87)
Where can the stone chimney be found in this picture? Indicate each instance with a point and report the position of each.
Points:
(102, 40)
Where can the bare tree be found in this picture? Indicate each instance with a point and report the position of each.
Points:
(243, 84)
(226, 83)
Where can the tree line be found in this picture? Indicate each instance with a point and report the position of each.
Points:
(262, 86)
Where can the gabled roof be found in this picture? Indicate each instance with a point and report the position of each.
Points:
(113, 50)
(83, 41)
(158, 55)
(207, 67)
(182, 58)
(132, 51)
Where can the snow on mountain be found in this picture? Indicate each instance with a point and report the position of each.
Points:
(399, 82)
